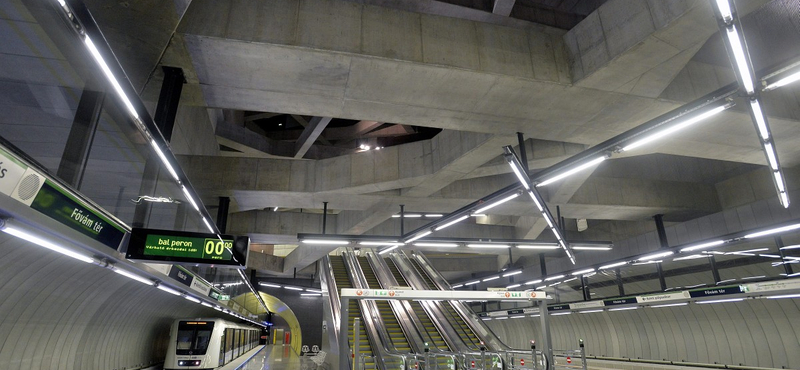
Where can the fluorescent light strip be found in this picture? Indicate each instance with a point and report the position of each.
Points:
(387, 250)
(437, 245)
(419, 236)
(534, 282)
(691, 257)
(165, 161)
(779, 181)
(573, 171)
(513, 286)
(542, 246)
(784, 81)
(761, 123)
(457, 286)
(536, 201)
(490, 278)
(501, 318)
(797, 246)
(725, 10)
(270, 285)
(582, 272)
(19, 233)
(711, 244)
(311, 294)
(754, 277)
(517, 317)
(741, 62)
(313, 290)
(380, 244)
(560, 313)
(554, 277)
(769, 255)
(623, 308)
(507, 274)
(190, 198)
(209, 305)
(433, 215)
(618, 264)
(655, 256)
(590, 311)
(495, 204)
(720, 301)
(497, 246)
(776, 230)
(451, 223)
(568, 280)
(673, 128)
(783, 296)
(472, 283)
(208, 225)
(478, 215)
(191, 299)
(590, 248)
(169, 290)
(292, 288)
(110, 76)
(670, 305)
(784, 199)
(325, 242)
(133, 276)
(523, 179)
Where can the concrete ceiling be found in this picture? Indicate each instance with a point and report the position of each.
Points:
(478, 78)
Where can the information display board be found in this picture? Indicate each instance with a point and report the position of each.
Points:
(181, 247)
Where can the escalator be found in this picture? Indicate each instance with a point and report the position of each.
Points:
(437, 342)
(464, 331)
(343, 281)
(395, 332)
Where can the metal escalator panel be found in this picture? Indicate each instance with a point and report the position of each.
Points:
(437, 341)
(396, 334)
(464, 331)
(343, 281)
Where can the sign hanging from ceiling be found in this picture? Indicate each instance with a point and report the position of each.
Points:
(180, 247)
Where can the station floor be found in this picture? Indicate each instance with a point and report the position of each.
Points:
(274, 357)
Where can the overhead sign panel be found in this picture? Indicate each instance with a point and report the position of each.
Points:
(441, 294)
(180, 247)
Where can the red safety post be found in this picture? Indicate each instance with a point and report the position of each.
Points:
(473, 364)
(522, 362)
(569, 360)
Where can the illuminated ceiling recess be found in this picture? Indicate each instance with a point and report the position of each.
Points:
(735, 44)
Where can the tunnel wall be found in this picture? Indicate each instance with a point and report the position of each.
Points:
(59, 313)
(757, 332)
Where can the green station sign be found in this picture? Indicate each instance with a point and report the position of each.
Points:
(187, 248)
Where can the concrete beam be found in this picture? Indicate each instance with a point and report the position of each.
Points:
(503, 7)
(310, 135)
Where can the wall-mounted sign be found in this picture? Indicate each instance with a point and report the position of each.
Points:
(182, 247)
(715, 291)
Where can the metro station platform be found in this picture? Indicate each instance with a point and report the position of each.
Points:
(273, 357)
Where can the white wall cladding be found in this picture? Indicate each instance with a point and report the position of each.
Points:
(763, 333)
(59, 313)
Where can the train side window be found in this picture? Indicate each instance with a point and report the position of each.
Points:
(222, 349)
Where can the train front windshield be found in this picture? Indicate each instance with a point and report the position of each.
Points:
(193, 337)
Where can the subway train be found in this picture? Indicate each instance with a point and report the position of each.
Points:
(208, 343)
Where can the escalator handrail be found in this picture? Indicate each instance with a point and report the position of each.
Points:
(330, 285)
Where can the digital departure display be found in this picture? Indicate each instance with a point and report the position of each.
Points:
(182, 247)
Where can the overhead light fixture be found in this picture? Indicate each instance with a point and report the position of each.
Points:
(536, 201)
(190, 198)
(538, 246)
(570, 279)
(497, 203)
(513, 286)
(209, 305)
(497, 246)
(208, 225)
(311, 294)
(737, 47)
(561, 313)
(133, 276)
(776, 230)
(675, 127)
(691, 257)
(779, 181)
(590, 248)
(751, 250)
(292, 288)
(490, 278)
(387, 250)
(582, 272)
(554, 277)
(754, 277)
(407, 215)
(655, 256)
(433, 215)
(710, 244)
(524, 179)
(191, 299)
(472, 283)
(617, 264)
(110, 76)
(165, 161)
(590, 311)
(381, 244)
(573, 171)
(270, 285)
(169, 290)
(725, 10)
(478, 215)
(534, 282)
(436, 245)
(419, 236)
(42, 242)
(457, 286)
(769, 255)
(507, 274)
(325, 242)
(720, 301)
(797, 246)
(794, 77)
(313, 290)
(517, 317)
(783, 296)
(453, 222)
(669, 305)
(623, 308)
(761, 122)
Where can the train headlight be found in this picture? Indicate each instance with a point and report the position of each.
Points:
(189, 363)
